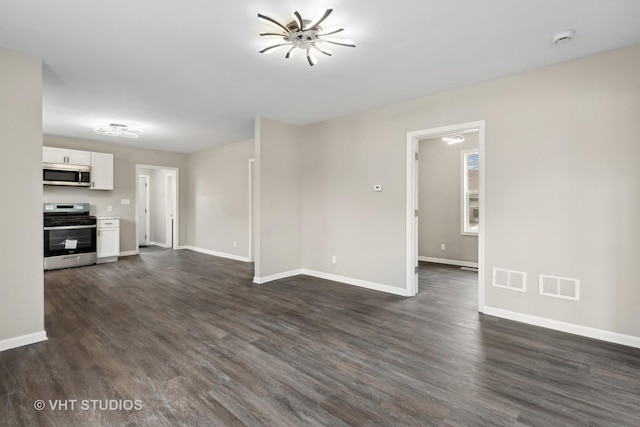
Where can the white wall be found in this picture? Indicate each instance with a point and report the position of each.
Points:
(341, 215)
(562, 186)
(277, 198)
(439, 200)
(21, 268)
(125, 183)
(218, 181)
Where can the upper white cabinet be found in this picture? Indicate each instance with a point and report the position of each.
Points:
(101, 164)
(66, 156)
(101, 171)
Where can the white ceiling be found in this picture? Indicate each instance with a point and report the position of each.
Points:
(189, 72)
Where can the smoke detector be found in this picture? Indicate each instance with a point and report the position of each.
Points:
(564, 36)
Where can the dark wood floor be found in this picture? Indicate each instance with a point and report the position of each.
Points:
(191, 338)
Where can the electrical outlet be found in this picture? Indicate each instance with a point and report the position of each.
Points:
(235, 244)
(109, 208)
(125, 201)
(333, 259)
(443, 247)
(377, 187)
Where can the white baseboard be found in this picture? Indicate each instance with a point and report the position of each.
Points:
(585, 331)
(356, 282)
(22, 340)
(333, 277)
(129, 253)
(260, 280)
(214, 253)
(448, 261)
(162, 245)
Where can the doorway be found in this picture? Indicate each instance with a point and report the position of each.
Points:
(412, 211)
(170, 209)
(142, 216)
(157, 201)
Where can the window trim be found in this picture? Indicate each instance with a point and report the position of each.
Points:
(464, 214)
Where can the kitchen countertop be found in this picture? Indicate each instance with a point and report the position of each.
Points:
(107, 217)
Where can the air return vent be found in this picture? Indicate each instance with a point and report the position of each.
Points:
(507, 279)
(559, 287)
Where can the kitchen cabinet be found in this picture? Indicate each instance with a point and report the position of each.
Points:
(66, 156)
(101, 171)
(108, 243)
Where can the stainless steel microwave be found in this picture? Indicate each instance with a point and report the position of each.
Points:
(63, 174)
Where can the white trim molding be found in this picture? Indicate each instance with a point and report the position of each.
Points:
(215, 253)
(129, 253)
(162, 245)
(356, 282)
(571, 328)
(23, 340)
(334, 278)
(448, 261)
(260, 280)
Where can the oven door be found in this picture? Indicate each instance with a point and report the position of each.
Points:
(69, 240)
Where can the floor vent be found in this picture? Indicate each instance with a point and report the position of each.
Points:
(507, 279)
(559, 287)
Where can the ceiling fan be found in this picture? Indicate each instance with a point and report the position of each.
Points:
(303, 34)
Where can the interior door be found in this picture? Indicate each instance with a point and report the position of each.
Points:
(143, 210)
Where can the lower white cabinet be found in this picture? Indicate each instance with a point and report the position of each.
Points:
(108, 239)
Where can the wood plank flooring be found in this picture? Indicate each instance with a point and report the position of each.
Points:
(190, 337)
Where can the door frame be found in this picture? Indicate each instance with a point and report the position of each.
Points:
(176, 199)
(252, 163)
(169, 225)
(147, 215)
(413, 139)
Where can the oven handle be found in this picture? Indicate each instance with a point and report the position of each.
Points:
(71, 227)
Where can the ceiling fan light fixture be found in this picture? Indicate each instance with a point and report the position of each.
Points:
(304, 35)
(118, 129)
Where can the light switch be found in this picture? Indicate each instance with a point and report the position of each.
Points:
(377, 187)
(109, 208)
(125, 201)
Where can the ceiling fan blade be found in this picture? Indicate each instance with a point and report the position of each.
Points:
(273, 34)
(326, 52)
(299, 21)
(290, 52)
(328, 33)
(272, 48)
(274, 22)
(319, 20)
(312, 59)
(344, 42)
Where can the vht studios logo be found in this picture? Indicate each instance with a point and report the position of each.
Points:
(88, 405)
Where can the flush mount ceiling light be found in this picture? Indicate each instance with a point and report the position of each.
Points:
(304, 35)
(453, 139)
(118, 129)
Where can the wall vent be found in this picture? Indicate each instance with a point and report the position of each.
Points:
(559, 287)
(507, 279)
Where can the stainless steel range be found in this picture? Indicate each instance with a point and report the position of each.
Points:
(69, 235)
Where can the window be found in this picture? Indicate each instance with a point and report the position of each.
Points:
(470, 192)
